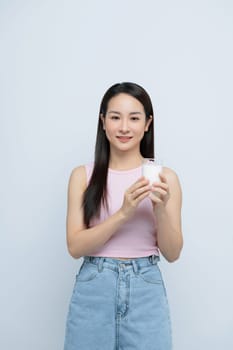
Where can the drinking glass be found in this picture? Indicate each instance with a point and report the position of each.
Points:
(151, 167)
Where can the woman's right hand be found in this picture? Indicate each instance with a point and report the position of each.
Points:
(134, 195)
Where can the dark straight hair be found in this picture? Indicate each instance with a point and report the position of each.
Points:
(96, 192)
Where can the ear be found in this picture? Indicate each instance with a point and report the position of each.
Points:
(103, 120)
(148, 122)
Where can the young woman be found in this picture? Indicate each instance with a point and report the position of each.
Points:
(119, 224)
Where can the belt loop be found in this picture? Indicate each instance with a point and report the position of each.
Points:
(154, 259)
(135, 267)
(100, 264)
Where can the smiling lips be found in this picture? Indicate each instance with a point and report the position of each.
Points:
(124, 138)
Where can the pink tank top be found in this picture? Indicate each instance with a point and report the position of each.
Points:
(136, 237)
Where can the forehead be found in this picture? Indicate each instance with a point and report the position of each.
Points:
(125, 102)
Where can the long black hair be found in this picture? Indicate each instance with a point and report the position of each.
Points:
(96, 192)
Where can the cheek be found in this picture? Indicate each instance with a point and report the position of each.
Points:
(109, 130)
(140, 130)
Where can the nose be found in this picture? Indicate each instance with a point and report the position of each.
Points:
(124, 127)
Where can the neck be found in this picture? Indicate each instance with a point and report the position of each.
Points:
(124, 160)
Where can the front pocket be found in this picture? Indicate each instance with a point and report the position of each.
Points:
(151, 274)
(87, 272)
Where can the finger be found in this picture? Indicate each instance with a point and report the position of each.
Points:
(163, 178)
(139, 183)
(141, 197)
(135, 194)
(155, 198)
(160, 185)
(159, 190)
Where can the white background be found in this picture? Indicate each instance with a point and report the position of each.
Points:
(57, 58)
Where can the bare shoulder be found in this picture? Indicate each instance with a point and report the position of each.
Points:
(172, 178)
(79, 171)
(76, 188)
(170, 174)
(78, 179)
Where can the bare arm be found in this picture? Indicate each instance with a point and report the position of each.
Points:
(83, 241)
(167, 209)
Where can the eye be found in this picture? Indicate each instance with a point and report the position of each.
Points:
(135, 118)
(114, 117)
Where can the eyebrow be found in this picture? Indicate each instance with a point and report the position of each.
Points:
(131, 113)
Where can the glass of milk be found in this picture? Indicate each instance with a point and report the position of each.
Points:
(151, 168)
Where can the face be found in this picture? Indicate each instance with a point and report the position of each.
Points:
(125, 122)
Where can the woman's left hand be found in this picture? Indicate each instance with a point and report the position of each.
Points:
(160, 192)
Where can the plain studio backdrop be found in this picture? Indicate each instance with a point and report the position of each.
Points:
(57, 58)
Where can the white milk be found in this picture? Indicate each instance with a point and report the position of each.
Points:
(151, 171)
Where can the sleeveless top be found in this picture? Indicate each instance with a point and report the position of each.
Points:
(137, 236)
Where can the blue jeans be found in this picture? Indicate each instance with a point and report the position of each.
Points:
(118, 305)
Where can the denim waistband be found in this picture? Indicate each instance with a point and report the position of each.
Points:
(116, 264)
